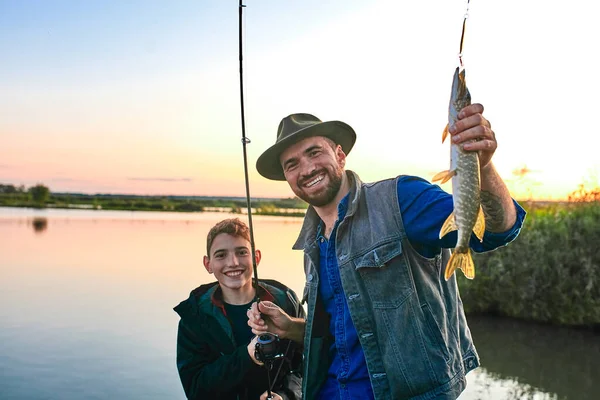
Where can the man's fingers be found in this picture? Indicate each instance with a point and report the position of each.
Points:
(478, 132)
(254, 317)
(268, 308)
(259, 330)
(482, 145)
(467, 123)
(475, 108)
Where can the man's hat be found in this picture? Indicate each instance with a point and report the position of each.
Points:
(296, 127)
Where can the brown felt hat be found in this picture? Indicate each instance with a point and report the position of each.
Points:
(296, 127)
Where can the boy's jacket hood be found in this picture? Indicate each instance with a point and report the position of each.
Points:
(199, 302)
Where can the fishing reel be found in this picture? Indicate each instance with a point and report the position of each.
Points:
(267, 348)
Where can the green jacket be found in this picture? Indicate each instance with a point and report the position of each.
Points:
(212, 366)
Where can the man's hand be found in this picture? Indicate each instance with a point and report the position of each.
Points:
(251, 348)
(275, 321)
(475, 132)
(274, 395)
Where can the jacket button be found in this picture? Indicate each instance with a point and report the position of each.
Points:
(309, 277)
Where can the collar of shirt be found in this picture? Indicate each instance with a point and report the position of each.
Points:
(342, 208)
(217, 297)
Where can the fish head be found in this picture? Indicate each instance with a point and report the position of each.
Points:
(460, 96)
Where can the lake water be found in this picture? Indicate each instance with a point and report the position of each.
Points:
(86, 302)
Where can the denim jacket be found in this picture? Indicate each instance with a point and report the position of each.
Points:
(410, 320)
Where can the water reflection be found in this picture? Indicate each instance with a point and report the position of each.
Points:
(40, 224)
(483, 385)
(89, 304)
(538, 358)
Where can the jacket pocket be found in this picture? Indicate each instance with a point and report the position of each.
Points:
(434, 337)
(385, 274)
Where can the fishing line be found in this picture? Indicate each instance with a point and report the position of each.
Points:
(462, 36)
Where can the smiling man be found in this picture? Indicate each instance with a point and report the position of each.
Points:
(382, 321)
(215, 345)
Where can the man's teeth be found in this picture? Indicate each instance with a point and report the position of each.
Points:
(234, 273)
(315, 181)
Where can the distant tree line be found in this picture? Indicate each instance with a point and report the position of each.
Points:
(12, 189)
(36, 196)
(41, 196)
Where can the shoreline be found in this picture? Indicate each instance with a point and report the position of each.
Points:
(282, 207)
(298, 213)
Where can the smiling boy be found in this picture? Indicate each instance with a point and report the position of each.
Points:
(215, 345)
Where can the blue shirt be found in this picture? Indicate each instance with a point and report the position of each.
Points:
(424, 209)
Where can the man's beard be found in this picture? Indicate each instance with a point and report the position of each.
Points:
(330, 192)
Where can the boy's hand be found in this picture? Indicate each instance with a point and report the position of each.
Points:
(274, 395)
(251, 348)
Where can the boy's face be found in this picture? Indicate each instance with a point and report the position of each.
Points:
(230, 259)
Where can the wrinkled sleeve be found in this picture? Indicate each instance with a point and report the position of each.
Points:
(425, 207)
(201, 375)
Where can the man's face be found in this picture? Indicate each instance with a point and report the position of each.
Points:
(314, 169)
(231, 261)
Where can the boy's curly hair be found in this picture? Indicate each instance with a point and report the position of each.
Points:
(231, 226)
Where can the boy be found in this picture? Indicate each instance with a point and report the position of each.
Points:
(215, 345)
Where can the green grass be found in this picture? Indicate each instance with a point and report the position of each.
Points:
(550, 273)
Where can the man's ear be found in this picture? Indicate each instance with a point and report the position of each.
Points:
(257, 255)
(341, 156)
(207, 264)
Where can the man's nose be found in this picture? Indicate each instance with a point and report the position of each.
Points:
(307, 167)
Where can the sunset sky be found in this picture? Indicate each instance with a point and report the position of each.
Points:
(142, 96)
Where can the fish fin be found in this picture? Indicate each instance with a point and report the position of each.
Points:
(460, 260)
(449, 225)
(444, 176)
(479, 227)
(445, 133)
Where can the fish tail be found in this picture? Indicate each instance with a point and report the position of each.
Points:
(460, 259)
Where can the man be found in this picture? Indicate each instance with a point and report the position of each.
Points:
(382, 321)
(215, 345)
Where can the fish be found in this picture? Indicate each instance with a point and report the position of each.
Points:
(467, 215)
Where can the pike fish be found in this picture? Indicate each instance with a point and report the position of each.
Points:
(467, 215)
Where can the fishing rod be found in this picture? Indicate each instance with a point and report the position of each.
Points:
(245, 141)
(267, 346)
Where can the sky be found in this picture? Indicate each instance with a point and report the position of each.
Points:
(143, 97)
